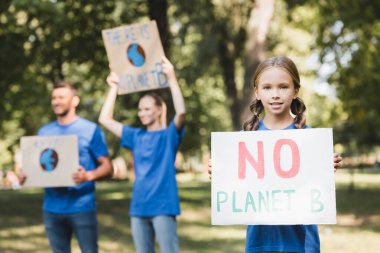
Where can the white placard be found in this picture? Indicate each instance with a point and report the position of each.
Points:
(49, 161)
(273, 177)
(134, 53)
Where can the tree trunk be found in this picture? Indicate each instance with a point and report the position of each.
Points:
(158, 11)
(227, 61)
(257, 30)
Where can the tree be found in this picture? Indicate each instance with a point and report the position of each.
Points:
(255, 48)
(232, 43)
(158, 10)
(42, 42)
(348, 39)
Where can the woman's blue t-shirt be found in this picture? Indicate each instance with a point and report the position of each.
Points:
(282, 238)
(155, 189)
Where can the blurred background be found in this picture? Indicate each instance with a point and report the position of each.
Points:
(215, 46)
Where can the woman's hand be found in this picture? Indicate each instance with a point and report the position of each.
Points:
(337, 161)
(168, 69)
(113, 79)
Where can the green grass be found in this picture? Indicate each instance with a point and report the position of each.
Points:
(358, 228)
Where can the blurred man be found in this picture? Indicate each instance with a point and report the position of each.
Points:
(72, 210)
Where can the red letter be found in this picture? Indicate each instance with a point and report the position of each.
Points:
(295, 158)
(245, 155)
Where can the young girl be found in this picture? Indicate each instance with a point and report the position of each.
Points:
(276, 85)
(155, 201)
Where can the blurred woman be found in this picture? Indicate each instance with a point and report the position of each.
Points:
(155, 200)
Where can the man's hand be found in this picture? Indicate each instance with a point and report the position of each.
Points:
(21, 177)
(81, 176)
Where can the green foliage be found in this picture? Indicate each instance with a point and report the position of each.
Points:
(43, 41)
(348, 38)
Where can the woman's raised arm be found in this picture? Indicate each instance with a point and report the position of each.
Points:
(106, 114)
(178, 100)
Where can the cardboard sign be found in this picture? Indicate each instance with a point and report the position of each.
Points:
(273, 177)
(49, 161)
(135, 53)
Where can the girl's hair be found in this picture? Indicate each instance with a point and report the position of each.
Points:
(297, 106)
(159, 101)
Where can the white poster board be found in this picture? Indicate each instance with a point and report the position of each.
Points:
(134, 53)
(273, 177)
(49, 161)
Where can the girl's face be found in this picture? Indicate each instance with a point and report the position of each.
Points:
(275, 89)
(148, 112)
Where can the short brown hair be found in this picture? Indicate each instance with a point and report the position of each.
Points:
(66, 84)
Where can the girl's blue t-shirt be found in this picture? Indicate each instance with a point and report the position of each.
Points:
(282, 238)
(155, 189)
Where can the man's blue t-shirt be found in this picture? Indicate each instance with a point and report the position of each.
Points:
(155, 188)
(91, 145)
(282, 238)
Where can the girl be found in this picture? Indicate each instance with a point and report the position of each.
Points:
(155, 201)
(276, 85)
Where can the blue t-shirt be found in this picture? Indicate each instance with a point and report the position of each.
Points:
(91, 145)
(282, 238)
(155, 188)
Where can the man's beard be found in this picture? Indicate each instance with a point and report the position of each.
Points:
(62, 114)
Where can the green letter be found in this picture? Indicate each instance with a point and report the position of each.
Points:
(249, 201)
(275, 200)
(219, 201)
(234, 209)
(264, 201)
(316, 204)
(288, 192)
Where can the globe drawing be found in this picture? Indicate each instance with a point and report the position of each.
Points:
(136, 55)
(48, 159)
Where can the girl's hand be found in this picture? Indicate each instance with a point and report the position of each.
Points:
(113, 79)
(209, 168)
(337, 161)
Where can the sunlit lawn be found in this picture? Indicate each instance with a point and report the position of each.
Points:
(358, 228)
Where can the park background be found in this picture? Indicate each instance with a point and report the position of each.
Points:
(215, 47)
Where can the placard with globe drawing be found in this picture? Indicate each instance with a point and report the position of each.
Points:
(135, 53)
(49, 161)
